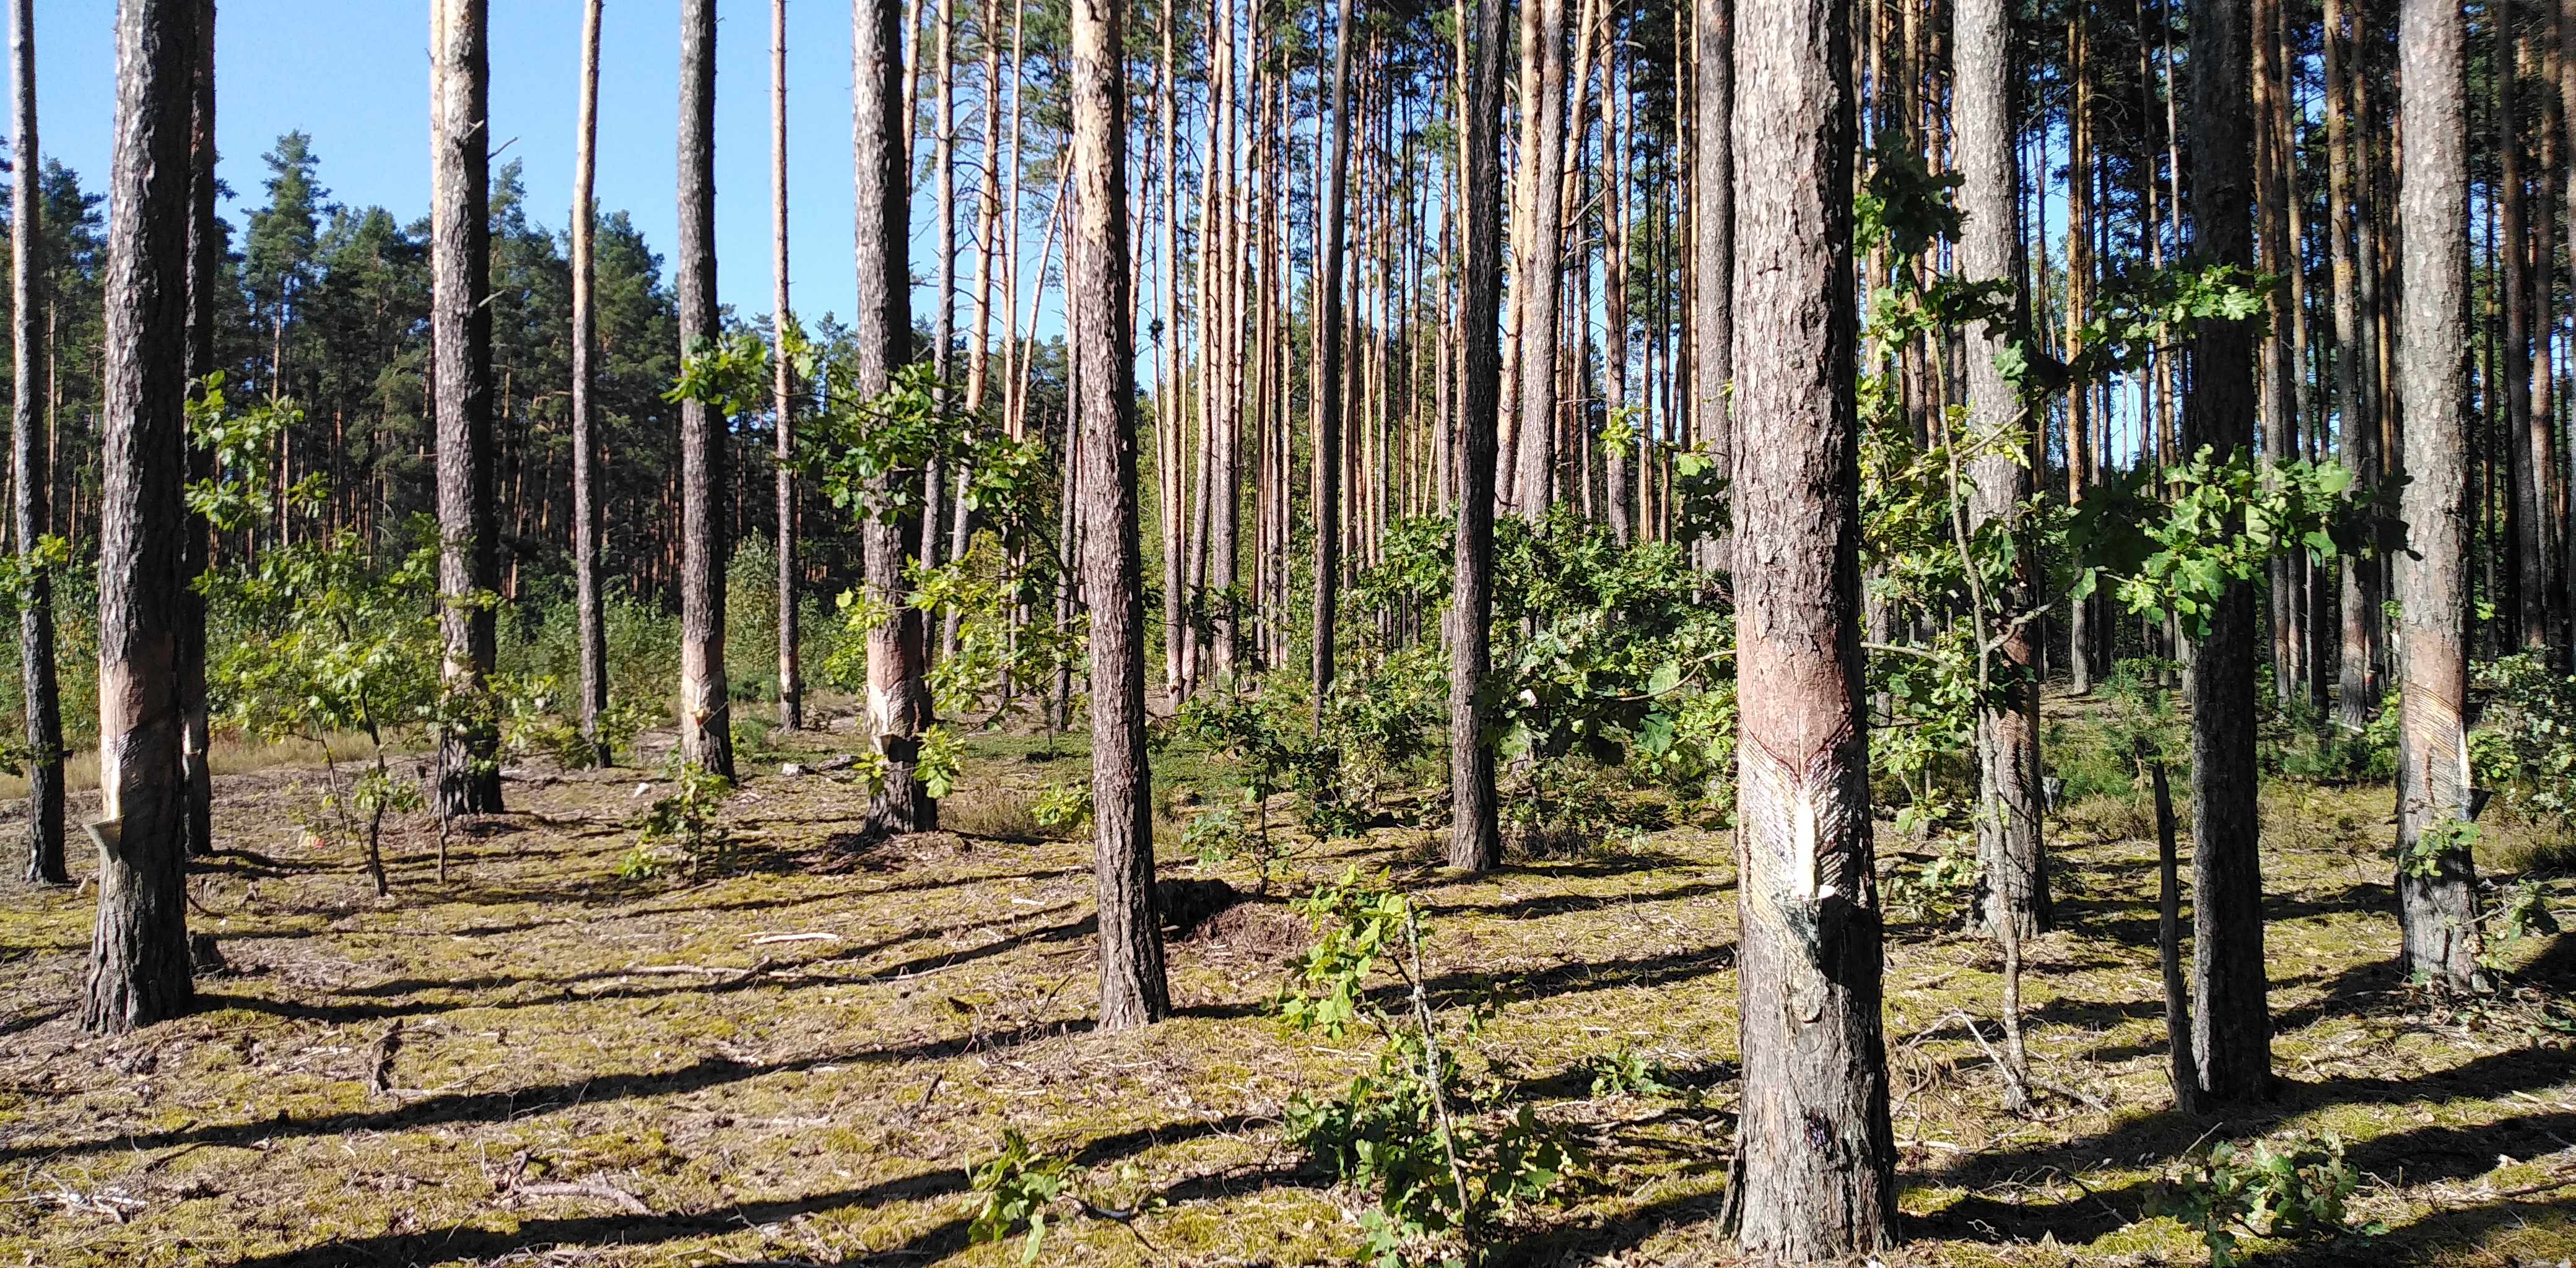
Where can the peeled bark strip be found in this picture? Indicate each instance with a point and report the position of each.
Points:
(585, 375)
(2436, 912)
(898, 703)
(1132, 988)
(1475, 839)
(138, 971)
(1817, 1152)
(2231, 1018)
(45, 864)
(461, 331)
(706, 710)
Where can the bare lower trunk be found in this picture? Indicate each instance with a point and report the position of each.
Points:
(1475, 840)
(138, 969)
(45, 864)
(706, 709)
(2231, 1019)
(585, 438)
(2181, 1070)
(461, 333)
(1132, 988)
(2436, 878)
(1818, 1154)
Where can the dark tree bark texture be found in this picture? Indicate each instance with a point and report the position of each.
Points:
(45, 863)
(1475, 838)
(706, 713)
(469, 780)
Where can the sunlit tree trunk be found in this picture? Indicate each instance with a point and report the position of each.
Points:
(2231, 1019)
(1475, 838)
(1818, 1153)
(1712, 361)
(138, 965)
(2436, 879)
(593, 632)
(1132, 988)
(45, 864)
(1538, 273)
(206, 281)
(1327, 388)
(898, 703)
(706, 710)
(791, 685)
(461, 337)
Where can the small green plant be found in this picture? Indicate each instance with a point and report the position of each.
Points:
(2423, 859)
(1629, 1071)
(681, 829)
(1064, 806)
(1935, 886)
(1214, 836)
(2295, 1190)
(1016, 1189)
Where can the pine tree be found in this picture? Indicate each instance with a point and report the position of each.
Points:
(27, 266)
(461, 333)
(706, 716)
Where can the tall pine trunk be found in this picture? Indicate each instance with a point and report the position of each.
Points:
(45, 865)
(593, 632)
(1475, 838)
(1712, 270)
(706, 716)
(2231, 1019)
(898, 705)
(138, 967)
(2012, 864)
(2436, 879)
(1328, 390)
(791, 684)
(1817, 1152)
(1132, 988)
(206, 281)
(1538, 275)
(469, 780)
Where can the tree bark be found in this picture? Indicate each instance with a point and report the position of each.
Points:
(881, 332)
(205, 280)
(1475, 838)
(2358, 430)
(1712, 360)
(1132, 988)
(1538, 274)
(45, 862)
(1328, 361)
(706, 712)
(138, 969)
(2014, 867)
(593, 632)
(469, 779)
(2527, 436)
(2231, 1020)
(2436, 895)
(791, 684)
(1818, 1154)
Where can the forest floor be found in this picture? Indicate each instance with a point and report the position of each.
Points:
(801, 1058)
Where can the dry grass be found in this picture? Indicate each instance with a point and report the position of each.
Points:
(797, 1061)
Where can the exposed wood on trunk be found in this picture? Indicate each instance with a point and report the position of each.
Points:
(469, 772)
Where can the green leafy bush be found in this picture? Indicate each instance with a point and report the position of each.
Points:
(682, 828)
(2296, 1189)
(1015, 1190)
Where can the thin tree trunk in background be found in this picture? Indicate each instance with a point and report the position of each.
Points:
(2358, 429)
(791, 683)
(205, 280)
(1132, 987)
(1818, 1153)
(45, 862)
(469, 780)
(1712, 360)
(138, 965)
(2565, 19)
(1327, 389)
(1475, 839)
(1171, 418)
(2231, 1019)
(2436, 881)
(2080, 452)
(2527, 438)
(1614, 307)
(943, 316)
(2279, 256)
(2013, 864)
(706, 709)
(585, 436)
(898, 704)
(1539, 272)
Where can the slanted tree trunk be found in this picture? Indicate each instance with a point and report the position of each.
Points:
(1475, 837)
(585, 435)
(1132, 989)
(791, 684)
(205, 280)
(706, 712)
(881, 332)
(461, 334)
(2013, 866)
(2436, 879)
(1328, 362)
(1712, 361)
(138, 964)
(2231, 1019)
(1817, 1153)
(45, 864)
(1538, 274)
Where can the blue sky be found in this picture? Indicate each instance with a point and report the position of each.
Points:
(355, 74)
